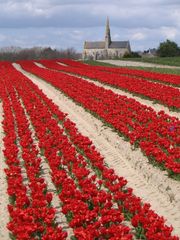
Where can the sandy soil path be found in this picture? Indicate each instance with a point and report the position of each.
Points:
(149, 183)
(157, 107)
(136, 64)
(4, 216)
(56, 203)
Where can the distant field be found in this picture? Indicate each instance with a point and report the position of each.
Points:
(160, 70)
(171, 61)
(152, 69)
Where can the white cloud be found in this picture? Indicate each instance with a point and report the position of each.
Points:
(2, 37)
(175, 15)
(25, 8)
(77, 35)
(67, 23)
(169, 32)
(138, 36)
(115, 36)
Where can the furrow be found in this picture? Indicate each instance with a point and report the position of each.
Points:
(56, 203)
(131, 164)
(156, 106)
(4, 214)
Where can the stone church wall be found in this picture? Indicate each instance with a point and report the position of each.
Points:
(95, 54)
(119, 52)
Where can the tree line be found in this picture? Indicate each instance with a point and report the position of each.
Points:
(35, 53)
(168, 49)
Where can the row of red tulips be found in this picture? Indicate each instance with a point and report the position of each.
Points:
(156, 92)
(94, 199)
(30, 210)
(89, 210)
(157, 134)
(90, 205)
(74, 191)
(170, 79)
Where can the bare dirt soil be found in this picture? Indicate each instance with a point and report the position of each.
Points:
(148, 182)
(124, 63)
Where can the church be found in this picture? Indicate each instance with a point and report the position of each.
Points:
(105, 49)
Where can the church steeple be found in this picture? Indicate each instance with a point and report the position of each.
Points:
(107, 34)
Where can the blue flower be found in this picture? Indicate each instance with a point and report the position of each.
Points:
(171, 128)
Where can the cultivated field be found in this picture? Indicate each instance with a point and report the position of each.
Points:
(166, 61)
(88, 152)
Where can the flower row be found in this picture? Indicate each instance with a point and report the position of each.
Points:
(153, 76)
(68, 173)
(94, 199)
(157, 134)
(90, 175)
(85, 206)
(157, 92)
(30, 210)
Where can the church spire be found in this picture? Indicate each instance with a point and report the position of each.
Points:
(108, 34)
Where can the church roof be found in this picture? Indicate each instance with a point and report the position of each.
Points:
(119, 44)
(101, 45)
(94, 45)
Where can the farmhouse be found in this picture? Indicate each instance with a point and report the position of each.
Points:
(105, 49)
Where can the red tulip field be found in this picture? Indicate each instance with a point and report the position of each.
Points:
(88, 152)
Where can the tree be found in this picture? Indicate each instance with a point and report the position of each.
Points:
(168, 49)
(131, 55)
(14, 53)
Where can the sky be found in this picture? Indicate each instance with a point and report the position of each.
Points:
(63, 24)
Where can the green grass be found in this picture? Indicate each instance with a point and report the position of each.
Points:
(159, 70)
(171, 61)
(152, 69)
(97, 63)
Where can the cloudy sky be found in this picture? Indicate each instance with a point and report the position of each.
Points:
(68, 23)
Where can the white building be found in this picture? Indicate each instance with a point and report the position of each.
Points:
(105, 49)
